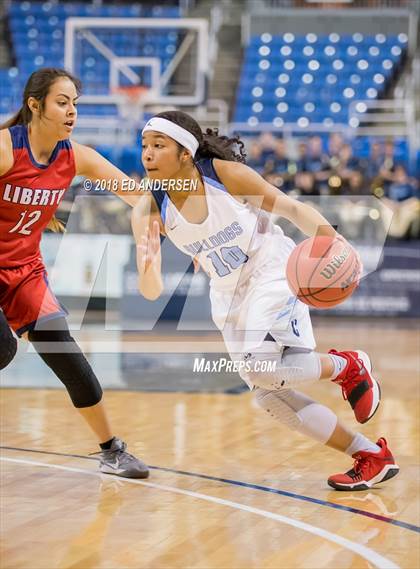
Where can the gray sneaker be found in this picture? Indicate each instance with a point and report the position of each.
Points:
(121, 463)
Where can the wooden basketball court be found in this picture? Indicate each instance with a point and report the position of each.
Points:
(229, 488)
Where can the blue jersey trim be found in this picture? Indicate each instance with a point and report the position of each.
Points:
(32, 325)
(17, 136)
(163, 209)
(206, 168)
(161, 198)
(215, 184)
(208, 173)
(20, 139)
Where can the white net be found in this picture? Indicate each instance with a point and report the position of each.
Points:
(131, 101)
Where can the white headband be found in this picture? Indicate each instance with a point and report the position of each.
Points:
(173, 130)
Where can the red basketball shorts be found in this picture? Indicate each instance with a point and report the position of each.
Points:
(26, 298)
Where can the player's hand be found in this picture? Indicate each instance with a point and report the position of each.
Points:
(148, 248)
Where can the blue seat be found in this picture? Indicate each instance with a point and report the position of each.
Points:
(328, 71)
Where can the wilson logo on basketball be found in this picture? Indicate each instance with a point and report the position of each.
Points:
(321, 271)
(335, 263)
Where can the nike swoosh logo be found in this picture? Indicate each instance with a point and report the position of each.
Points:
(113, 465)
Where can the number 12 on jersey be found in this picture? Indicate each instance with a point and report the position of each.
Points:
(234, 257)
(23, 228)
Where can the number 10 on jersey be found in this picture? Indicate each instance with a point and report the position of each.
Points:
(234, 257)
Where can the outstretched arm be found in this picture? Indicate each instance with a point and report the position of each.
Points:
(242, 181)
(146, 226)
(92, 165)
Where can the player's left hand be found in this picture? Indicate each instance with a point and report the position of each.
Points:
(149, 246)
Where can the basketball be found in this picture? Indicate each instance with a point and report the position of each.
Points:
(323, 271)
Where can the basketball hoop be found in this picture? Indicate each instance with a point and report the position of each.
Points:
(131, 100)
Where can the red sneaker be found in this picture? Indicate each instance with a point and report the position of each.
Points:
(358, 386)
(369, 468)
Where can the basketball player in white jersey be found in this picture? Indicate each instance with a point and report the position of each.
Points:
(225, 227)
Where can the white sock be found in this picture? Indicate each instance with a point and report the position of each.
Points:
(339, 364)
(360, 442)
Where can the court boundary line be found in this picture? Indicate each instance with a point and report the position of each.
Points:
(361, 550)
(252, 486)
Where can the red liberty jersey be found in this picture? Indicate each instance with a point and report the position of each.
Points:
(29, 196)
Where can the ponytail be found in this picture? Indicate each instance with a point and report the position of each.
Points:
(56, 226)
(214, 145)
(18, 118)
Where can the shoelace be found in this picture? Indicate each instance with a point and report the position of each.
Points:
(359, 466)
(100, 452)
(350, 378)
(115, 452)
(125, 456)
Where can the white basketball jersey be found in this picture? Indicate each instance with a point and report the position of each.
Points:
(233, 239)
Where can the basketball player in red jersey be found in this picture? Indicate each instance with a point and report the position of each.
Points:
(37, 165)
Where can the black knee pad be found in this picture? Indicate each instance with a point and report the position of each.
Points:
(8, 343)
(57, 348)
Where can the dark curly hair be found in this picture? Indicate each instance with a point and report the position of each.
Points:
(211, 144)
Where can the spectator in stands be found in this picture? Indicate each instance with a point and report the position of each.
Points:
(335, 144)
(255, 158)
(268, 143)
(283, 166)
(317, 162)
(280, 156)
(302, 160)
(305, 184)
(402, 187)
(347, 163)
(356, 184)
(353, 208)
(388, 164)
(402, 197)
(276, 162)
(375, 161)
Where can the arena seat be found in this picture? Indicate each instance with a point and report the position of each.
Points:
(321, 73)
(37, 31)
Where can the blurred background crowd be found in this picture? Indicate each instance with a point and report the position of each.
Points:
(305, 168)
